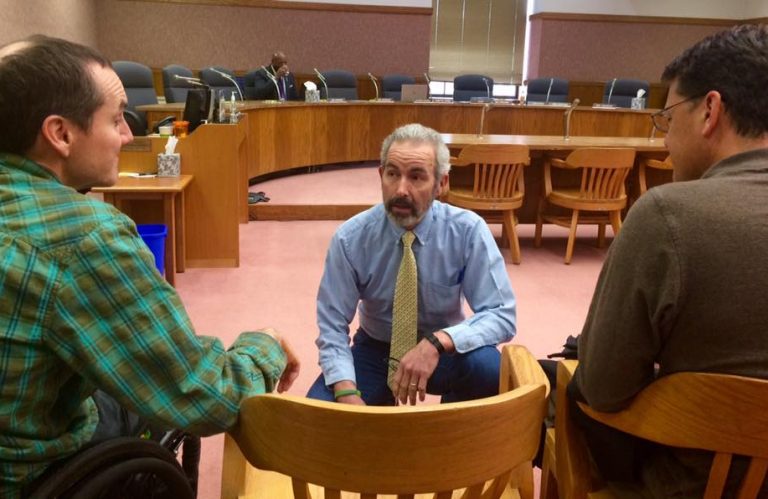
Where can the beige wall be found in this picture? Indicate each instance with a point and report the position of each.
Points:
(70, 19)
(584, 49)
(244, 38)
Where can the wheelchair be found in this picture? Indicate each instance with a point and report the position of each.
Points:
(125, 468)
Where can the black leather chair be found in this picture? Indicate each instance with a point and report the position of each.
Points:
(175, 90)
(140, 90)
(465, 87)
(391, 85)
(620, 92)
(546, 90)
(249, 90)
(218, 82)
(341, 85)
(124, 467)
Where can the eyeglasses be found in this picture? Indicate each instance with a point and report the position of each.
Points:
(661, 119)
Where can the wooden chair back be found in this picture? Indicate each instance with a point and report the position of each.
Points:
(498, 171)
(603, 174)
(725, 414)
(479, 445)
(654, 164)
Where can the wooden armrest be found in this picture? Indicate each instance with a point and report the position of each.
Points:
(561, 163)
(659, 165)
(572, 456)
(518, 368)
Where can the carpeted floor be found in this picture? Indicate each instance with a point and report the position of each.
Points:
(282, 262)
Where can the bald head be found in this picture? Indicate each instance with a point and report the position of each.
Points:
(279, 59)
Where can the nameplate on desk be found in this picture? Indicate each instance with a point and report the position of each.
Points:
(139, 144)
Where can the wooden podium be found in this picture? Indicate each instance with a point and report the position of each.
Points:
(216, 202)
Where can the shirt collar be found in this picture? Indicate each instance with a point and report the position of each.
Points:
(754, 160)
(26, 165)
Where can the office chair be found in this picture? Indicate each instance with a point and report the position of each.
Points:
(391, 85)
(223, 86)
(601, 190)
(140, 90)
(249, 87)
(465, 87)
(619, 92)
(546, 90)
(175, 90)
(341, 85)
(391, 450)
(124, 467)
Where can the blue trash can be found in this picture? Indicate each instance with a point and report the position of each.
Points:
(154, 237)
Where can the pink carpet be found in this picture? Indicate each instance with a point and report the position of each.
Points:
(282, 262)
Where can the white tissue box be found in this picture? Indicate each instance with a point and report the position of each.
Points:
(312, 95)
(169, 165)
(638, 103)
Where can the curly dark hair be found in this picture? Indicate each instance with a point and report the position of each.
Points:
(733, 62)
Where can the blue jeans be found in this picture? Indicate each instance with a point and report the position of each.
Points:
(457, 377)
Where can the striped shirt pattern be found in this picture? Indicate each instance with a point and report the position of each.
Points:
(82, 306)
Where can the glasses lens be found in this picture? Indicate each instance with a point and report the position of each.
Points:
(661, 121)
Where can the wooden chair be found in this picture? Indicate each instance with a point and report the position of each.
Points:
(497, 184)
(654, 164)
(484, 445)
(601, 190)
(725, 414)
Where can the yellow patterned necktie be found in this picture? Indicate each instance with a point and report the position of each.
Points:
(404, 308)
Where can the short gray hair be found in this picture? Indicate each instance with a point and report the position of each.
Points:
(415, 132)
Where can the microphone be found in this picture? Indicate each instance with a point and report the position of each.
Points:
(273, 80)
(375, 85)
(228, 77)
(193, 81)
(610, 92)
(426, 77)
(322, 80)
(551, 81)
(487, 88)
(486, 107)
(567, 119)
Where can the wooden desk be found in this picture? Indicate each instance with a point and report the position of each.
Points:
(217, 201)
(292, 135)
(283, 136)
(541, 144)
(170, 191)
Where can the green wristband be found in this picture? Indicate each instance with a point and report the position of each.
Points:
(343, 393)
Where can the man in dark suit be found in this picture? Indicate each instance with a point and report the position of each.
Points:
(284, 85)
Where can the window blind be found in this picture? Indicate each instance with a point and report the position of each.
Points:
(478, 36)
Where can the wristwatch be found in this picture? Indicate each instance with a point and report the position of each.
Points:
(430, 337)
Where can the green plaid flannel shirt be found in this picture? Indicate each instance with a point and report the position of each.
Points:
(82, 306)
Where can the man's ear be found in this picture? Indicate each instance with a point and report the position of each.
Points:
(442, 186)
(57, 132)
(713, 109)
(381, 171)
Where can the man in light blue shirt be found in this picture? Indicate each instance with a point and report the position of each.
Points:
(457, 259)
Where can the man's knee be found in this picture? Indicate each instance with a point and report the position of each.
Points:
(480, 369)
(483, 362)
